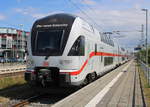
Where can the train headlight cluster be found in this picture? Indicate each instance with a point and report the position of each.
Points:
(30, 63)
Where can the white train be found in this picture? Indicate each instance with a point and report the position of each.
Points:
(66, 50)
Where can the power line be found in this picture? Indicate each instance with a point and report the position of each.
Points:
(93, 11)
(84, 13)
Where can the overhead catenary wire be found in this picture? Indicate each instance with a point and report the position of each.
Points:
(125, 31)
(92, 11)
(84, 13)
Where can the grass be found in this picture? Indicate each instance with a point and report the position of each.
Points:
(7, 82)
(146, 88)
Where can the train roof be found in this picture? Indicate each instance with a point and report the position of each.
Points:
(55, 17)
(60, 15)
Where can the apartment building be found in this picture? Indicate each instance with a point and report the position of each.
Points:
(13, 43)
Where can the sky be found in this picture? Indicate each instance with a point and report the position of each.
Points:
(106, 15)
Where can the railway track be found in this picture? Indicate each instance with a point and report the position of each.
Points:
(47, 97)
(27, 101)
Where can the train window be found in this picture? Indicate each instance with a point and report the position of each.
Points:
(106, 39)
(108, 61)
(122, 49)
(102, 37)
(78, 47)
(109, 40)
(91, 27)
(112, 43)
(123, 58)
(49, 42)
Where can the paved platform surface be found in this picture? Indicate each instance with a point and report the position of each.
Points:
(125, 92)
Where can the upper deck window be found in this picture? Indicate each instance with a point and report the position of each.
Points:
(78, 48)
(106, 39)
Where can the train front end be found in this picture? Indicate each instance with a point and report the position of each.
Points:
(47, 62)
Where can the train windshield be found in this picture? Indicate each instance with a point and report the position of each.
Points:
(49, 42)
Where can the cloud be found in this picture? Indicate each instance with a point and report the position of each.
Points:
(108, 20)
(2, 17)
(29, 11)
(89, 2)
(39, 15)
(113, 18)
(34, 12)
(118, 20)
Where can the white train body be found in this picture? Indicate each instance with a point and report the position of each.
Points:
(68, 50)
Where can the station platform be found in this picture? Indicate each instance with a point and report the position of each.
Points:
(119, 88)
(126, 92)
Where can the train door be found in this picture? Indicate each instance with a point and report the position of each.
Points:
(96, 58)
(118, 55)
(100, 59)
(90, 50)
(81, 50)
(78, 50)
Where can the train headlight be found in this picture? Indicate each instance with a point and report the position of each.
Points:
(30, 63)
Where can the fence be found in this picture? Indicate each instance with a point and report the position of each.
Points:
(146, 71)
(12, 68)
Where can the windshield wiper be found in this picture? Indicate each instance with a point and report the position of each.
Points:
(51, 50)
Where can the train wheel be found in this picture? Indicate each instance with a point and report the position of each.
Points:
(93, 76)
(89, 78)
(85, 81)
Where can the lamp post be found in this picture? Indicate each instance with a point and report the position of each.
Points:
(146, 40)
(142, 40)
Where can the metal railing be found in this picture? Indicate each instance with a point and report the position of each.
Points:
(146, 70)
(10, 68)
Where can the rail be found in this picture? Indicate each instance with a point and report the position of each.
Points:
(27, 101)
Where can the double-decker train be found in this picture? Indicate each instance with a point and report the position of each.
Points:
(65, 50)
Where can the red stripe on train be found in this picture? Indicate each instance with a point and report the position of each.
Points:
(91, 55)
